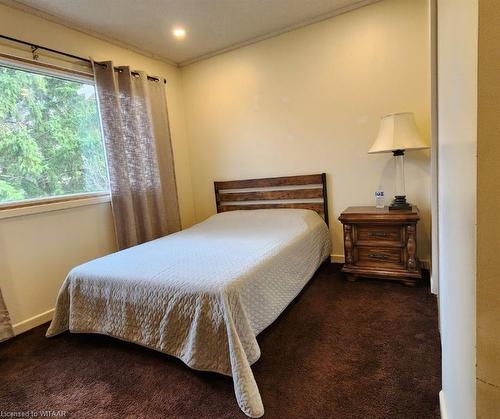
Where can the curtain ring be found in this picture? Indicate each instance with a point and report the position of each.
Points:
(33, 51)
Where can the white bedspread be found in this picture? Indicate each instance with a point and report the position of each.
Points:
(202, 294)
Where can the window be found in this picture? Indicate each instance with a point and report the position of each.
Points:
(50, 136)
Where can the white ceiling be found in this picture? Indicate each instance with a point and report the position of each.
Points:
(212, 25)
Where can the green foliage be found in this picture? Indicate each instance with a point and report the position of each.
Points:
(50, 138)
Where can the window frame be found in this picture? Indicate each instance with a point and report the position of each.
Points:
(41, 205)
(57, 202)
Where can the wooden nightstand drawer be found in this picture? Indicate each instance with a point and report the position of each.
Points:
(374, 257)
(373, 233)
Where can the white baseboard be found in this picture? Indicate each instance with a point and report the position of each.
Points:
(434, 286)
(442, 405)
(337, 258)
(341, 259)
(32, 322)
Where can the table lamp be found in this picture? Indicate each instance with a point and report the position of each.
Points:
(398, 133)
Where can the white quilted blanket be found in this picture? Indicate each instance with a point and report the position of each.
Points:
(202, 294)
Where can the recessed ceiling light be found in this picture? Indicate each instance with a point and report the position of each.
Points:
(179, 33)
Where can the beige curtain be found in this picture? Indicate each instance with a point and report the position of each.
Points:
(139, 154)
(5, 326)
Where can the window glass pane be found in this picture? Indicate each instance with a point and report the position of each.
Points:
(50, 137)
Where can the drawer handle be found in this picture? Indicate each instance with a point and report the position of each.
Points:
(378, 256)
(378, 234)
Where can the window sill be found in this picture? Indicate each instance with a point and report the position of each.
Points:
(39, 206)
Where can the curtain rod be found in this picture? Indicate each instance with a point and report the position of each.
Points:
(34, 47)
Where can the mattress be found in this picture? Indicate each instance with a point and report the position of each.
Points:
(202, 294)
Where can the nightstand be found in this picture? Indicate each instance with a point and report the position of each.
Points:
(381, 243)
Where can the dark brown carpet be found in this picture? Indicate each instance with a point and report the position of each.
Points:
(343, 350)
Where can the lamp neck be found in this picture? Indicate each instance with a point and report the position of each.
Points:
(399, 159)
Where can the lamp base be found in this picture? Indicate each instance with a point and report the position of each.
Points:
(400, 204)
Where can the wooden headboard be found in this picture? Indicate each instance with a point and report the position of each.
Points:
(305, 192)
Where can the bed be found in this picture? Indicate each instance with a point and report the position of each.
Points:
(205, 293)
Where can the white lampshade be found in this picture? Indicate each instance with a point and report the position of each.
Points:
(398, 131)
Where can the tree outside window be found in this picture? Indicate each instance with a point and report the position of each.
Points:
(50, 137)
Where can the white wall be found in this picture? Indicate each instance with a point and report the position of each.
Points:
(434, 269)
(37, 251)
(457, 84)
(310, 101)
